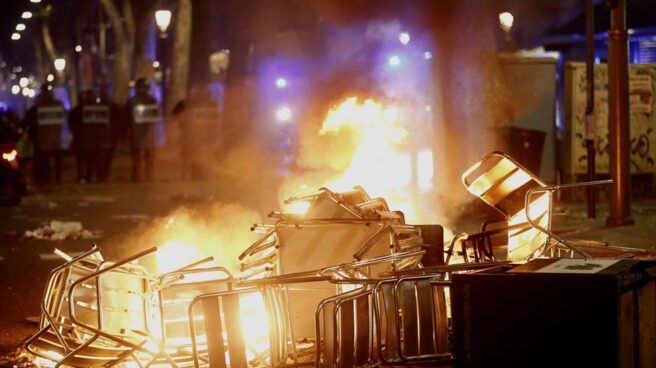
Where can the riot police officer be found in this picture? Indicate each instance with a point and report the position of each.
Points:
(92, 124)
(45, 126)
(145, 118)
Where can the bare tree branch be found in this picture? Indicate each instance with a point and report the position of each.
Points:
(47, 40)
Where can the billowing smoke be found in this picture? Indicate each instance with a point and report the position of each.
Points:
(188, 235)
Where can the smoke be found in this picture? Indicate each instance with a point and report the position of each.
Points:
(444, 97)
(187, 235)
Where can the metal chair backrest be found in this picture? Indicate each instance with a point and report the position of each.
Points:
(124, 297)
(503, 183)
(178, 289)
(344, 324)
(60, 337)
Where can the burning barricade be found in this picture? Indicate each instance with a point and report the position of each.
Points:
(100, 313)
(335, 279)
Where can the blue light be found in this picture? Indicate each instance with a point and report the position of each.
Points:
(428, 55)
(281, 82)
(394, 61)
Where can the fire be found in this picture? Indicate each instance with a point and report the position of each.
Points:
(367, 143)
(255, 326)
(175, 254)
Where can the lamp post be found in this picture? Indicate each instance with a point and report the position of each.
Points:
(163, 20)
(60, 66)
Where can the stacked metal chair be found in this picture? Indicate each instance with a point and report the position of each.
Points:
(99, 314)
(95, 313)
(322, 262)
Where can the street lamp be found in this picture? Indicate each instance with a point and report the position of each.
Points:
(15, 36)
(20, 27)
(163, 20)
(60, 64)
(26, 15)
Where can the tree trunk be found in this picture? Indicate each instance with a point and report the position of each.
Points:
(177, 90)
(42, 68)
(47, 41)
(143, 66)
(121, 77)
(130, 30)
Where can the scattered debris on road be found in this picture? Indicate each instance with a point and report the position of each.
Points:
(62, 230)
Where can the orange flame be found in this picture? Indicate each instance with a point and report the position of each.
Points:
(366, 143)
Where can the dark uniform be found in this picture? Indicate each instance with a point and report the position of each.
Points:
(199, 121)
(145, 116)
(92, 123)
(45, 126)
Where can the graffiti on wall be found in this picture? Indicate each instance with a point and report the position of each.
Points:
(642, 85)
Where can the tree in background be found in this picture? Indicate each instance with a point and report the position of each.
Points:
(177, 90)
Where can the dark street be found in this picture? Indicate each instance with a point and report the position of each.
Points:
(328, 183)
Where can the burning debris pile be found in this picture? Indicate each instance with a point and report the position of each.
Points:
(97, 312)
(335, 278)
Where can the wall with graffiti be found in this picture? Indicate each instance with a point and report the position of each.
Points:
(642, 86)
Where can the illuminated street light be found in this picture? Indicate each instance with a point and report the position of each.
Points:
(281, 83)
(15, 36)
(15, 89)
(31, 93)
(20, 27)
(284, 113)
(26, 15)
(60, 64)
(78, 48)
(163, 19)
(428, 55)
(506, 21)
(50, 77)
(404, 38)
(35, 1)
(156, 64)
(23, 82)
(26, 92)
(394, 61)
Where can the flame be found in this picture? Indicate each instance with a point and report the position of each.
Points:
(254, 324)
(366, 143)
(298, 207)
(176, 254)
(524, 242)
